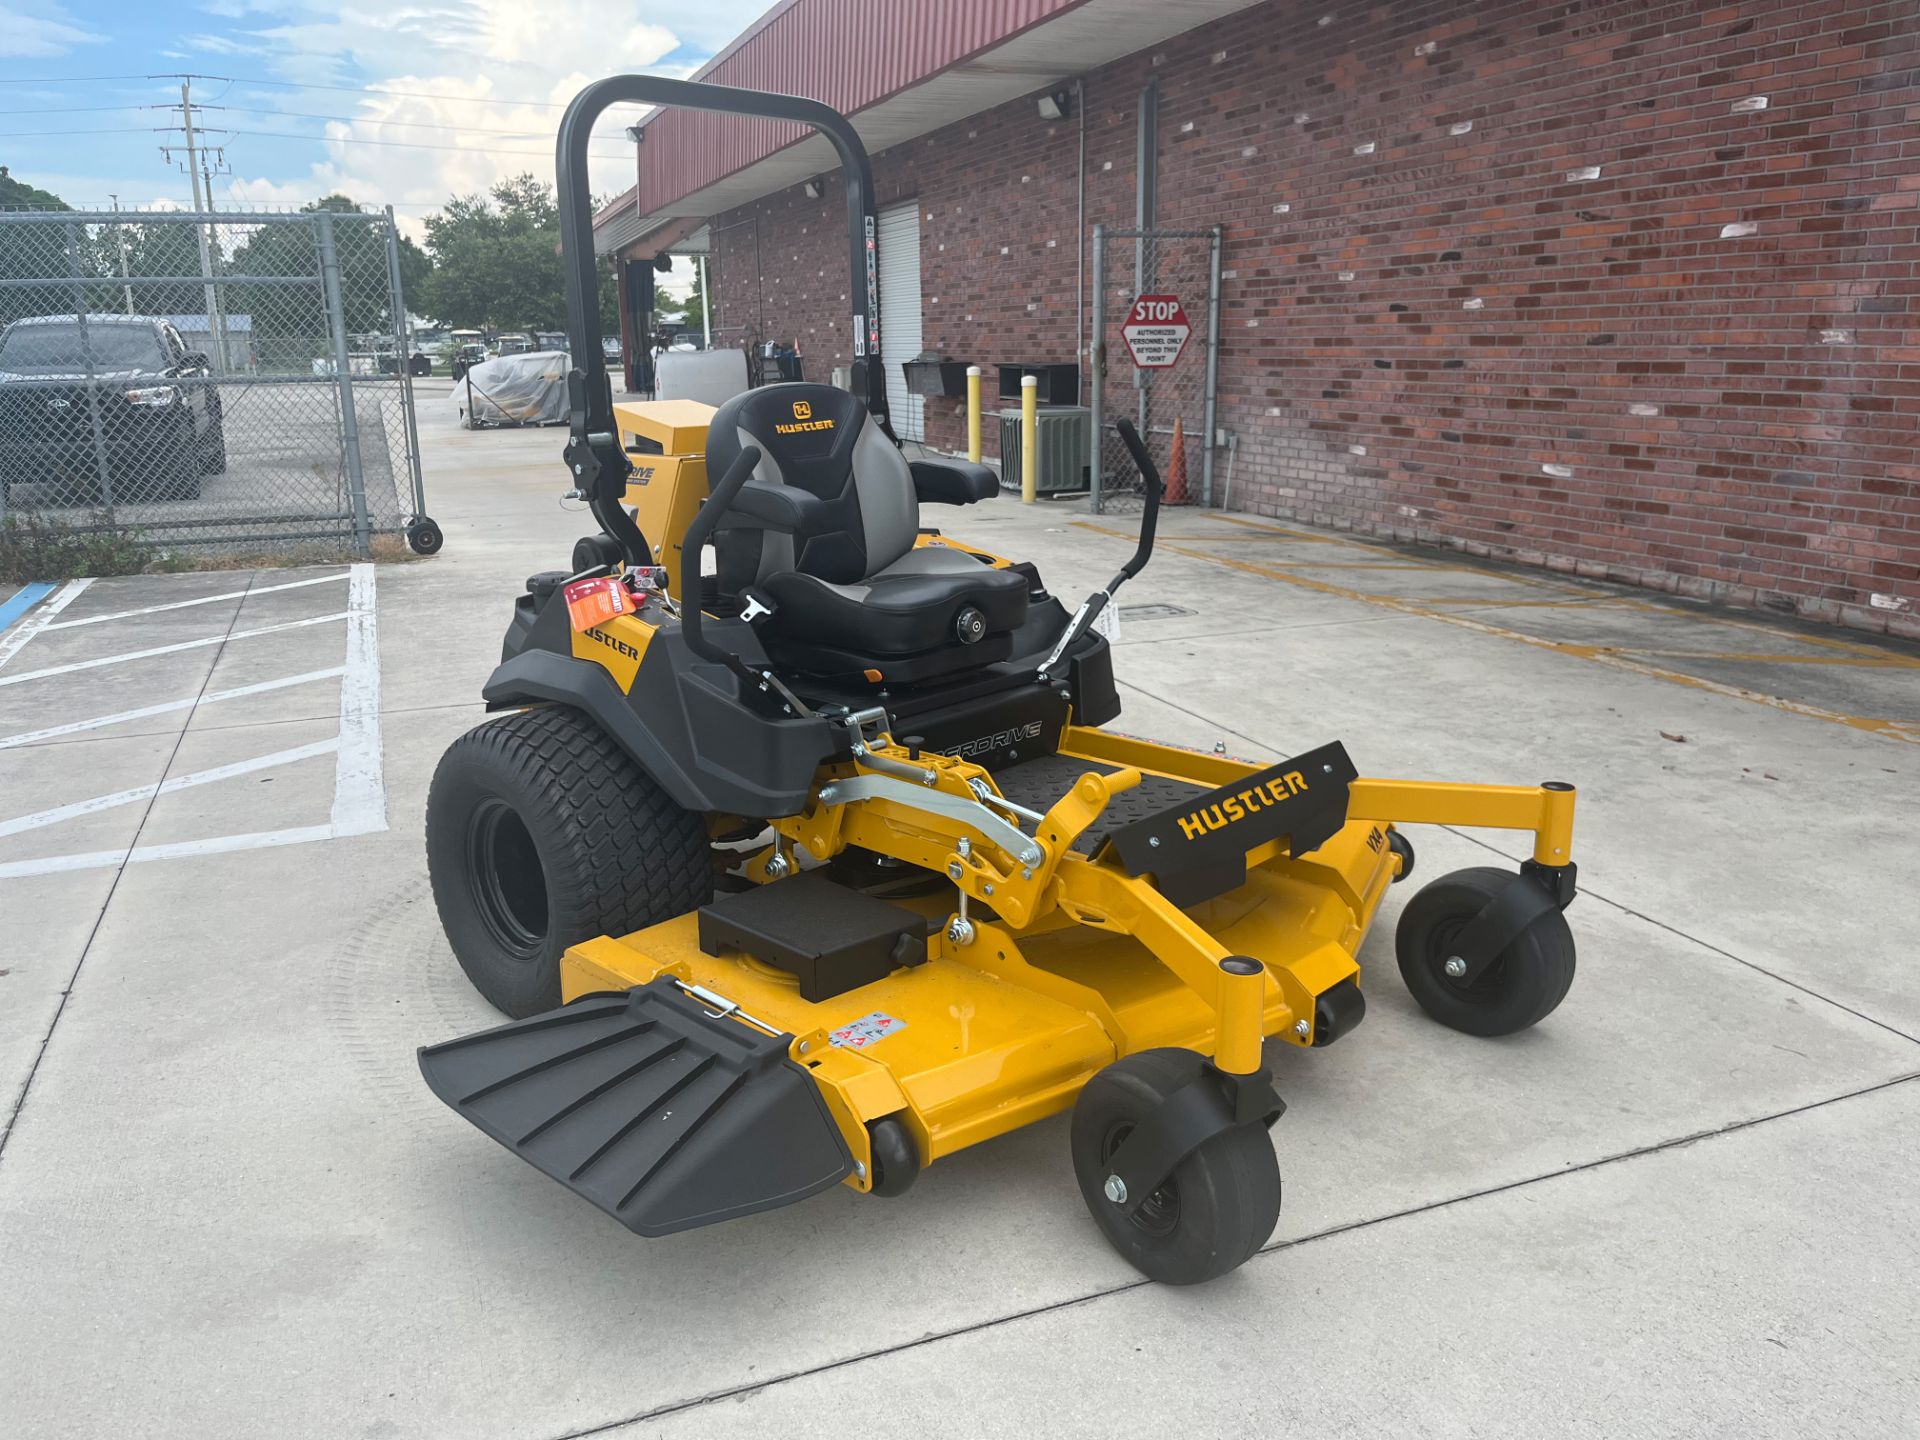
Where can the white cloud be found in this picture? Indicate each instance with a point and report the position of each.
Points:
(217, 45)
(40, 29)
(441, 73)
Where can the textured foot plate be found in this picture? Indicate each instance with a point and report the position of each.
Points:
(663, 1114)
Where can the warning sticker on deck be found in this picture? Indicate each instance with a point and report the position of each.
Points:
(866, 1030)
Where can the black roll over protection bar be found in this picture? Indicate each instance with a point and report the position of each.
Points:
(600, 467)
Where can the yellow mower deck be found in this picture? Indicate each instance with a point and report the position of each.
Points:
(1005, 1027)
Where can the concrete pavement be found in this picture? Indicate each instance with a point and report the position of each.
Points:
(1685, 1204)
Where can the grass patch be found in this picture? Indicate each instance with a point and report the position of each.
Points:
(35, 548)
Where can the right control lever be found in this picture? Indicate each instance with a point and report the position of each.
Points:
(1151, 489)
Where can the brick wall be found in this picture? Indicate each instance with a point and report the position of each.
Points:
(1632, 288)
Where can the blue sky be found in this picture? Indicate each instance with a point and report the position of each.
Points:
(431, 97)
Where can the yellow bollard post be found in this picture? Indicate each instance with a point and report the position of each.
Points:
(973, 413)
(1029, 437)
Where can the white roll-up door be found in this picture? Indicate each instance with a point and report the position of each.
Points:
(900, 314)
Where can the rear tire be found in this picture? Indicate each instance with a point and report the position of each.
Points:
(179, 477)
(541, 833)
(213, 449)
(1212, 1214)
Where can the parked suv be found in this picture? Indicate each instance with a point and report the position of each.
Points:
(160, 424)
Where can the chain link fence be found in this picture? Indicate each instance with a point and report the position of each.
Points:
(220, 380)
(1184, 266)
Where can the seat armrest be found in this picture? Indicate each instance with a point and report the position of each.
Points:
(782, 508)
(952, 482)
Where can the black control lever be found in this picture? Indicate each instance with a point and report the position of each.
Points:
(694, 544)
(699, 532)
(1151, 490)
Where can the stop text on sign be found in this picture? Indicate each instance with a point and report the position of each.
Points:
(1156, 331)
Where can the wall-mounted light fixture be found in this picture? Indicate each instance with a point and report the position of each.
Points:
(814, 189)
(1057, 106)
(636, 133)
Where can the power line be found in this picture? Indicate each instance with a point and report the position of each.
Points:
(262, 110)
(83, 79)
(375, 120)
(303, 85)
(77, 109)
(410, 144)
(309, 139)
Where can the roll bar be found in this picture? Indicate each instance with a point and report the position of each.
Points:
(594, 455)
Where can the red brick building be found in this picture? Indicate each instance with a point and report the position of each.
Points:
(1623, 286)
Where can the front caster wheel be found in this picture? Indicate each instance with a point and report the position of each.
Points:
(1217, 1208)
(1521, 986)
(1403, 847)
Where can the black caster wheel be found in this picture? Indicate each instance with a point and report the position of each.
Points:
(1403, 847)
(1217, 1208)
(424, 537)
(1522, 985)
(896, 1159)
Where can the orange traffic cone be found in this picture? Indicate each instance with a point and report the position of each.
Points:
(1177, 466)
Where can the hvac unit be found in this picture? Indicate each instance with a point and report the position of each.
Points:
(1063, 462)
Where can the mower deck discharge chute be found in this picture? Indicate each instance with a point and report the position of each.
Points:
(823, 867)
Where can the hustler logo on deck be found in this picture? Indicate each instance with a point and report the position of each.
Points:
(1241, 804)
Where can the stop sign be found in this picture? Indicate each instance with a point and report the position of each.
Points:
(1156, 331)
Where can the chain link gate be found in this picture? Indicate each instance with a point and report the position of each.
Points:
(223, 380)
(1128, 264)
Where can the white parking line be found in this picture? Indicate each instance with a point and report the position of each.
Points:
(168, 649)
(33, 624)
(359, 779)
(178, 850)
(360, 792)
(202, 600)
(97, 803)
(30, 737)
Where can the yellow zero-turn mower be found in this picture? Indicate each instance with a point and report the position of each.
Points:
(820, 868)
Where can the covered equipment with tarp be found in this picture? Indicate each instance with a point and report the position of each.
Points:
(529, 389)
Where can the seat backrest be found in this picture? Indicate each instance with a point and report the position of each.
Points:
(822, 440)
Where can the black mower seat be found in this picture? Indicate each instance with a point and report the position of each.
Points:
(825, 529)
(910, 606)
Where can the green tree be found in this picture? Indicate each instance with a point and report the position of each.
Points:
(694, 311)
(291, 251)
(18, 195)
(29, 252)
(497, 262)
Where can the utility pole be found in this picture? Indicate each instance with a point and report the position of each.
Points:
(706, 311)
(218, 329)
(120, 240)
(202, 204)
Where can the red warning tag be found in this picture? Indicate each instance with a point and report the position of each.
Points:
(596, 601)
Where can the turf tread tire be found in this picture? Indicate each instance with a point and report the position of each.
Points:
(617, 853)
(1229, 1187)
(1523, 986)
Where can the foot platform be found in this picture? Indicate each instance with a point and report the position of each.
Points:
(660, 1112)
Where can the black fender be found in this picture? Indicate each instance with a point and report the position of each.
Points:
(689, 730)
